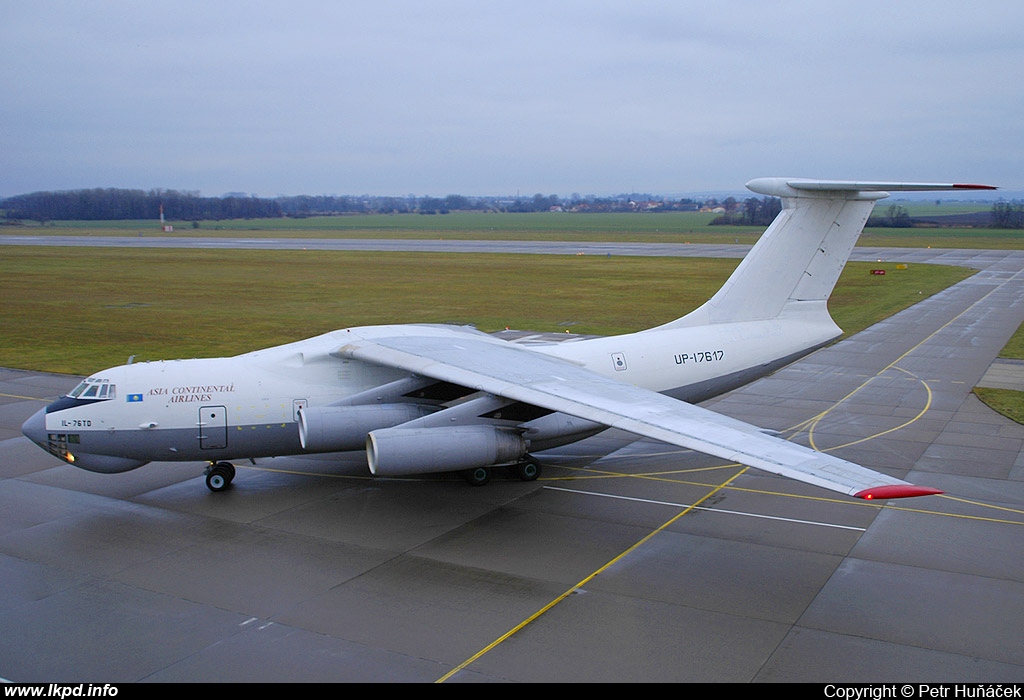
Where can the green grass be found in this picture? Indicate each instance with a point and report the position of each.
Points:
(447, 225)
(1014, 348)
(79, 310)
(1007, 401)
(669, 227)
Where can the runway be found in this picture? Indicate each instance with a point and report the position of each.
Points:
(628, 561)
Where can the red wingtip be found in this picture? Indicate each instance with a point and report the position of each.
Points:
(975, 187)
(897, 491)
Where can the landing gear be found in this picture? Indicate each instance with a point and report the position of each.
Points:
(527, 470)
(219, 476)
(477, 477)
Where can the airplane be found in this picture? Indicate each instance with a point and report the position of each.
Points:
(425, 398)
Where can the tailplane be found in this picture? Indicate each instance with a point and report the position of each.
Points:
(796, 263)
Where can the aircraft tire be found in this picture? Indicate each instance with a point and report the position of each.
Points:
(219, 477)
(230, 468)
(527, 470)
(477, 477)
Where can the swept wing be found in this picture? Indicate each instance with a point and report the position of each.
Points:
(494, 366)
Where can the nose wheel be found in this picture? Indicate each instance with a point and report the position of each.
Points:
(219, 476)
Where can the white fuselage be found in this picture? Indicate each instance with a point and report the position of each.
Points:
(248, 406)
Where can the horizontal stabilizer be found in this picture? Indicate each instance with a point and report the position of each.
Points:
(796, 187)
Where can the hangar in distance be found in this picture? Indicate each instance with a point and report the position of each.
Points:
(435, 398)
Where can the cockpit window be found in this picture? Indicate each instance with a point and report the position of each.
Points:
(95, 389)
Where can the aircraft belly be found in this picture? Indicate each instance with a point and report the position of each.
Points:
(183, 444)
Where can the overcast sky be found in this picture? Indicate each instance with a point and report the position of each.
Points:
(445, 97)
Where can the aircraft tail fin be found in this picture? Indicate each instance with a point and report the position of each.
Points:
(797, 261)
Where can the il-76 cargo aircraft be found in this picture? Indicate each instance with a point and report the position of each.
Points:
(433, 398)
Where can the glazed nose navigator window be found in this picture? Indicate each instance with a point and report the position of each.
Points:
(91, 388)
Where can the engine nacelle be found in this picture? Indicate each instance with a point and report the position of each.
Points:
(344, 428)
(406, 451)
(557, 429)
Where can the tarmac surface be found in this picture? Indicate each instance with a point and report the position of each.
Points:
(1004, 374)
(629, 560)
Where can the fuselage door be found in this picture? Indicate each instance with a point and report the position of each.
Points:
(213, 427)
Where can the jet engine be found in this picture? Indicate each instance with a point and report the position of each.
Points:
(344, 428)
(406, 451)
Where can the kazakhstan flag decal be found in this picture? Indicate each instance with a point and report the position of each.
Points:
(134, 398)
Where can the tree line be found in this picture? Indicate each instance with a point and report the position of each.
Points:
(1008, 215)
(119, 204)
(106, 204)
(753, 212)
(895, 217)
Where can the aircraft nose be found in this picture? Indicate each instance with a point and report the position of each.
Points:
(35, 427)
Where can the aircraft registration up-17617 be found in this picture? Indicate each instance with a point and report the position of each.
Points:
(434, 398)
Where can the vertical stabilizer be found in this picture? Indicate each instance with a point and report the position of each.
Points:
(797, 261)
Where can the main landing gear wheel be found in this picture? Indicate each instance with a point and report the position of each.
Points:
(527, 470)
(219, 476)
(477, 477)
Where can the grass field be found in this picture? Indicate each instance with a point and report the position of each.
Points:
(1014, 349)
(670, 227)
(80, 310)
(1008, 402)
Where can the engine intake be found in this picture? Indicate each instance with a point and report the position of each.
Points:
(406, 451)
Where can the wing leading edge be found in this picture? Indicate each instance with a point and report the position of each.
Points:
(487, 364)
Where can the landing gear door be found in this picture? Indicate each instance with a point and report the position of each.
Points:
(213, 427)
